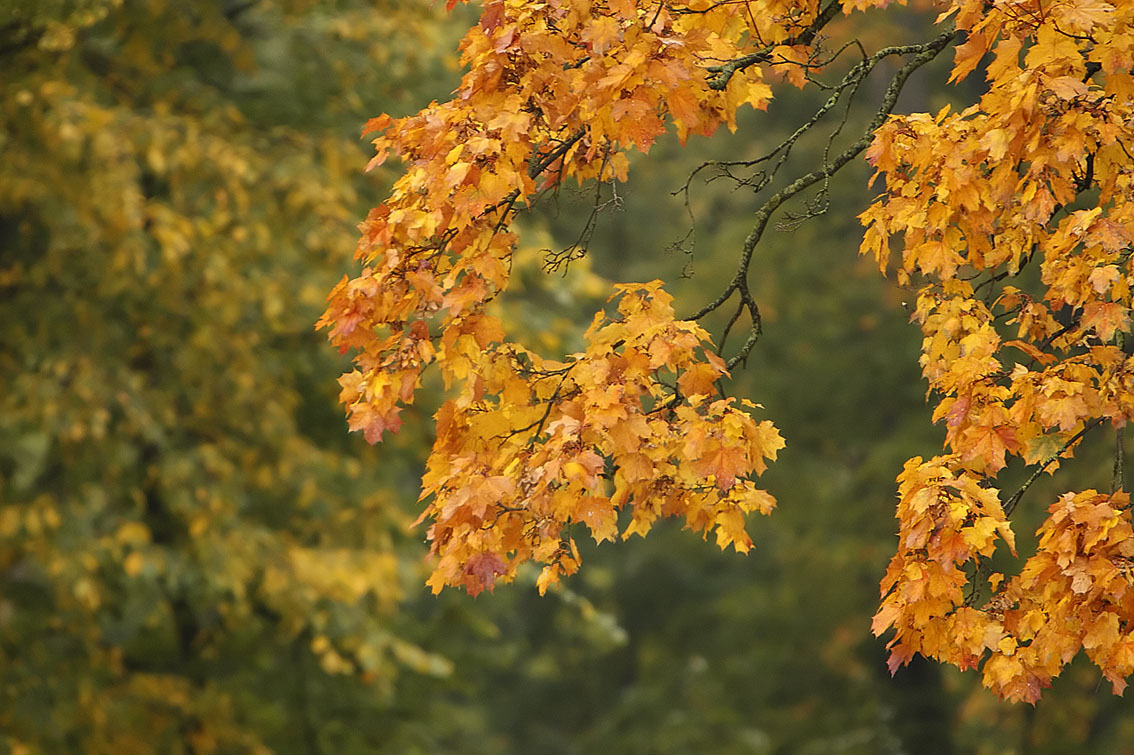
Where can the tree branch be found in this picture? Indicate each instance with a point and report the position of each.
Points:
(922, 54)
(723, 73)
(1012, 502)
(1118, 476)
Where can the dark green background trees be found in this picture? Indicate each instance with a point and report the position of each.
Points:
(192, 555)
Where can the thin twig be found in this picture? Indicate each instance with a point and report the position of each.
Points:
(1118, 478)
(923, 54)
(1010, 505)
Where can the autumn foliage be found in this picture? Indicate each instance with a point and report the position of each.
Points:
(529, 446)
(1037, 174)
(1010, 218)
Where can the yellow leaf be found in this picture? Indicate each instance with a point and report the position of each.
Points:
(698, 379)
(134, 563)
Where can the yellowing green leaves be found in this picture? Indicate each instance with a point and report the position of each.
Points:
(166, 485)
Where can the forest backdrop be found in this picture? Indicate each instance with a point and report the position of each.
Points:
(196, 556)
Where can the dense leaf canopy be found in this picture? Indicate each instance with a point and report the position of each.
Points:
(1036, 173)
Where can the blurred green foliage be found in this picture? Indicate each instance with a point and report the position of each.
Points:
(181, 508)
(196, 557)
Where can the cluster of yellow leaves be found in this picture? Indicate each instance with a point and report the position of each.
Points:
(1038, 172)
(554, 90)
(532, 446)
(1073, 594)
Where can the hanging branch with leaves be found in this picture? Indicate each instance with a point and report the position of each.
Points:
(1036, 174)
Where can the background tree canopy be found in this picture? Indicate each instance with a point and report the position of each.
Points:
(196, 557)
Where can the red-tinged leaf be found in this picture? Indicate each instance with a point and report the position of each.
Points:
(481, 572)
(900, 655)
(683, 105)
(492, 15)
(374, 423)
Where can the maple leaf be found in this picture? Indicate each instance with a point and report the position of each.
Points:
(1052, 48)
(1105, 318)
(724, 463)
(599, 516)
(730, 531)
(481, 572)
(1083, 15)
(988, 446)
(699, 379)
(900, 655)
(968, 55)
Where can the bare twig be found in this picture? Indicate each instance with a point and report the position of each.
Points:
(922, 54)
